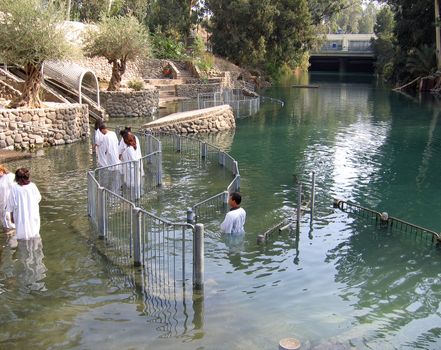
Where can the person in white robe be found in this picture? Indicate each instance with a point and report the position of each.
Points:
(100, 151)
(6, 183)
(235, 219)
(122, 146)
(109, 145)
(131, 165)
(23, 203)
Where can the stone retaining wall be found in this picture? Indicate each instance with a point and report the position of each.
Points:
(212, 119)
(56, 125)
(192, 90)
(8, 92)
(142, 103)
(139, 69)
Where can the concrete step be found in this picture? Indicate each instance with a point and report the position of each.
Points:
(166, 87)
(157, 82)
(163, 94)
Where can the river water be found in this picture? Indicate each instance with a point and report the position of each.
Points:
(340, 283)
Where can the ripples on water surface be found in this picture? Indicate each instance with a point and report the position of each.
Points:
(341, 284)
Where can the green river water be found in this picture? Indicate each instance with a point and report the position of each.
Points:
(342, 283)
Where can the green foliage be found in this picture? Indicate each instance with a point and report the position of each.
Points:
(414, 23)
(136, 84)
(117, 38)
(421, 61)
(29, 33)
(352, 18)
(323, 10)
(412, 38)
(197, 47)
(164, 47)
(265, 34)
(384, 25)
(384, 51)
(205, 63)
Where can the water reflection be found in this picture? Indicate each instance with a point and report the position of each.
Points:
(21, 266)
(393, 285)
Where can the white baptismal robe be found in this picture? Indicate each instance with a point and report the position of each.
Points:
(109, 143)
(234, 221)
(23, 202)
(100, 151)
(6, 183)
(129, 155)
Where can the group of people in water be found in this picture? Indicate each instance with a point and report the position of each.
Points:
(19, 203)
(119, 157)
(110, 152)
(20, 198)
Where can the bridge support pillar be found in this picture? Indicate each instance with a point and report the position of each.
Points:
(342, 65)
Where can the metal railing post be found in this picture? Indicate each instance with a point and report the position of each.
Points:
(198, 257)
(137, 183)
(235, 168)
(299, 205)
(312, 196)
(204, 150)
(221, 158)
(102, 213)
(137, 225)
(190, 215)
(159, 166)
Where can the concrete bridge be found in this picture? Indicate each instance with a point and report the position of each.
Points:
(344, 53)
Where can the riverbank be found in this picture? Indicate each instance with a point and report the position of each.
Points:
(10, 156)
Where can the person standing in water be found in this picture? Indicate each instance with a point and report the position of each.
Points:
(23, 203)
(235, 218)
(6, 183)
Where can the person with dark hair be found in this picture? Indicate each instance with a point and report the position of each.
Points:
(6, 183)
(123, 146)
(108, 144)
(23, 203)
(235, 218)
(97, 141)
(132, 165)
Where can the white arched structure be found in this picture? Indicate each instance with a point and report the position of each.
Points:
(73, 76)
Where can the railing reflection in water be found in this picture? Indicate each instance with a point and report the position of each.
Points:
(170, 253)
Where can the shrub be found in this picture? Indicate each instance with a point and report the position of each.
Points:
(205, 62)
(136, 84)
(164, 47)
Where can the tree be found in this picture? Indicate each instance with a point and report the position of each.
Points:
(323, 10)
(384, 44)
(367, 20)
(261, 33)
(172, 17)
(30, 35)
(414, 34)
(118, 39)
(384, 24)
